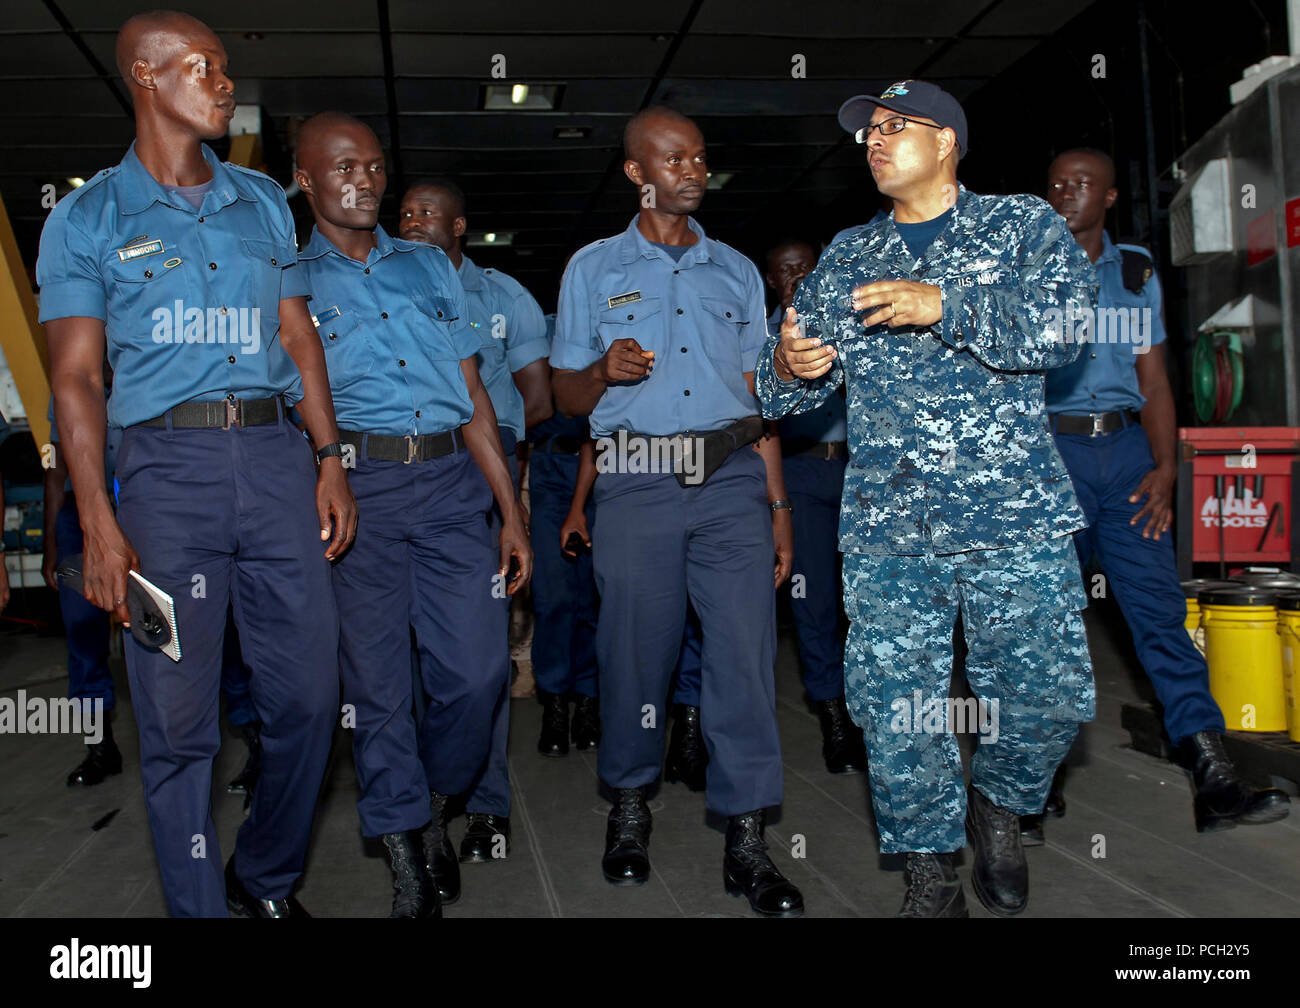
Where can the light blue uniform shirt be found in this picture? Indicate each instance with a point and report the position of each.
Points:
(190, 299)
(703, 316)
(828, 422)
(1104, 378)
(511, 332)
(394, 332)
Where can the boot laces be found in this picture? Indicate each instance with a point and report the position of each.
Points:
(631, 818)
(924, 878)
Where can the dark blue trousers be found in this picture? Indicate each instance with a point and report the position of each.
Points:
(236, 678)
(87, 629)
(814, 487)
(1141, 573)
(686, 678)
(490, 791)
(86, 625)
(222, 518)
(658, 544)
(424, 557)
(564, 587)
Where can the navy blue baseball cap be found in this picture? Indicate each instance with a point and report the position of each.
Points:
(908, 97)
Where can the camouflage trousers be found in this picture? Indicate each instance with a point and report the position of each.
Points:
(1027, 666)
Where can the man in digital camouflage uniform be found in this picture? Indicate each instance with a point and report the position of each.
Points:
(941, 319)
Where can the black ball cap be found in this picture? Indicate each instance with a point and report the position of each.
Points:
(910, 98)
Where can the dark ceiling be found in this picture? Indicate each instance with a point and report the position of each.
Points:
(727, 63)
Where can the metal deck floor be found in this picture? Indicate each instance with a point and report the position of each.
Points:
(54, 864)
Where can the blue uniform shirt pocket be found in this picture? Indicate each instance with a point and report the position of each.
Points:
(635, 320)
(348, 353)
(265, 261)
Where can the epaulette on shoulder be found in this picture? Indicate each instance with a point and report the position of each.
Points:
(1136, 267)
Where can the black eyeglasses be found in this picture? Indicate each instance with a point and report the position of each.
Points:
(896, 124)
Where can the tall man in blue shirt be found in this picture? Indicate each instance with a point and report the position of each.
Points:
(411, 407)
(656, 338)
(185, 266)
(512, 362)
(1112, 412)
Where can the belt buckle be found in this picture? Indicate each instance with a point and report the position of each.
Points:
(411, 450)
(1097, 419)
(233, 412)
(829, 451)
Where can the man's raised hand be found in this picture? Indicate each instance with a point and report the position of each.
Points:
(798, 356)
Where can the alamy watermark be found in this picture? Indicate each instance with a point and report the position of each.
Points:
(936, 715)
(177, 323)
(680, 454)
(1124, 326)
(52, 716)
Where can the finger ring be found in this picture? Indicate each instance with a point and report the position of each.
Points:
(893, 310)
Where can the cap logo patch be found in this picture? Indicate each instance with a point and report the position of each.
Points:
(894, 90)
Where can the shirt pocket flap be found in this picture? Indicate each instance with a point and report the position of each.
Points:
(435, 307)
(632, 312)
(272, 253)
(140, 269)
(725, 309)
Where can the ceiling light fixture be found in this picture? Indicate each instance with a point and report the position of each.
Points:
(520, 97)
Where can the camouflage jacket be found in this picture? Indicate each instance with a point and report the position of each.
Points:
(949, 443)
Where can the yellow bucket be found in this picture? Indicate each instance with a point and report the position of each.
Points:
(1241, 647)
(1192, 621)
(1288, 632)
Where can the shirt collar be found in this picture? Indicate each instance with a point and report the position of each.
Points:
(320, 245)
(142, 190)
(471, 274)
(1109, 251)
(635, 244)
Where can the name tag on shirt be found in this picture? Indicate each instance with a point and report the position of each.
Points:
(131, 252)
(621, 299)
(328, 315)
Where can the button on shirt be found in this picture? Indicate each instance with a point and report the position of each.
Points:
(827, 422)
(703, 316)
(190, 299)
(511, 332)
(1104, 378)
(394, 332)
(557, 424)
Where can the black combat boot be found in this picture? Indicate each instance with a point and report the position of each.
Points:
(415, 894)
(480, 842)
(439, 857)
(252, 736)
(842, 745)
(687, 756)
(933, 888)
(1031, 826)
(747, 870)
(1223, 799)
(1001, 874)
(586, 723)
(554, 740)
(627, 839)
(103, 759)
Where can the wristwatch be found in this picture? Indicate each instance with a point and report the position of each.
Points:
(334, 450)
(780, 505)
